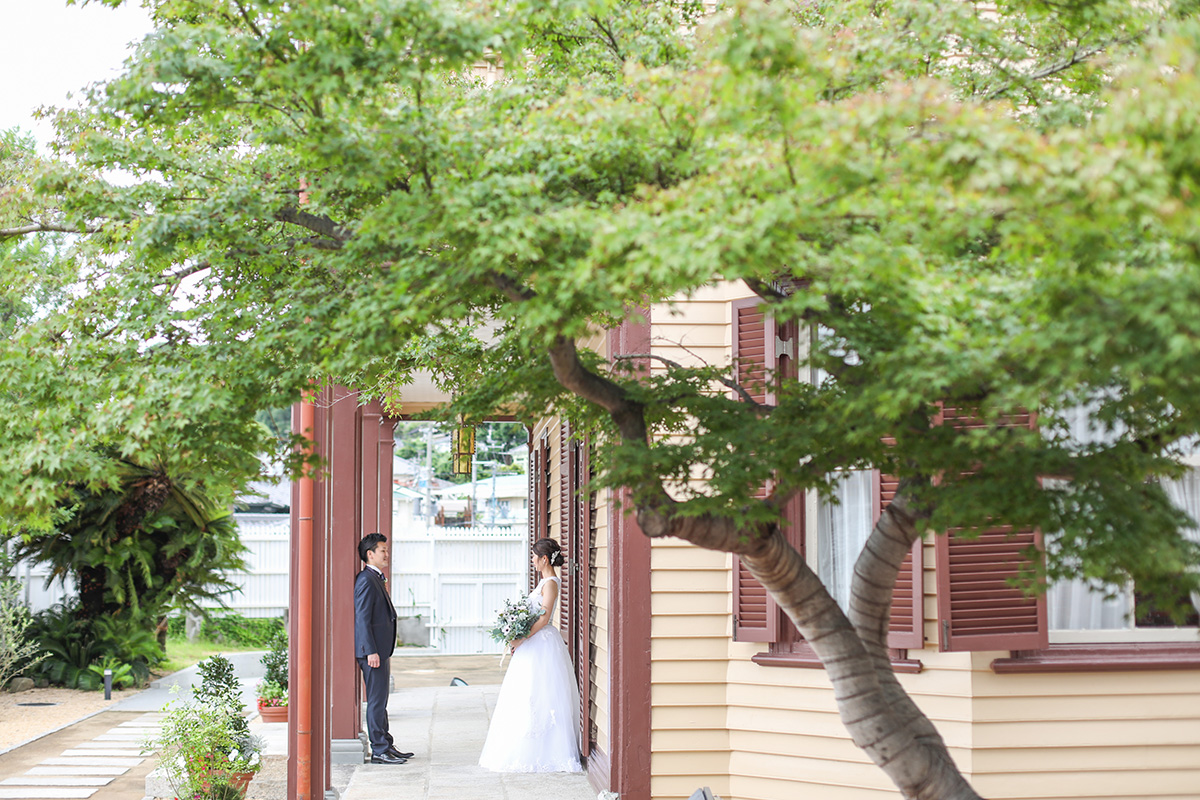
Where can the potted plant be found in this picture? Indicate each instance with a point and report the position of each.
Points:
(206, 748)
(273, 690)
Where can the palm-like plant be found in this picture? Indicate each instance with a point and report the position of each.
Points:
(153, 543)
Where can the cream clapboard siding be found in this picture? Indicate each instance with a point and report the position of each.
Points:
(690, 602)
(790, 742)
(600, 645)
(1087, 735)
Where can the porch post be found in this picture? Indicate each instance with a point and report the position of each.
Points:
(629, 620)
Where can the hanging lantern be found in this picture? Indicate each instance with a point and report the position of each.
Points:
(463, 443)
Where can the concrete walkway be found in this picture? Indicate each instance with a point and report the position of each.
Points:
(100, 757)
(445, 727)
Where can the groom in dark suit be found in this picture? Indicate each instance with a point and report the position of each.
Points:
(374, 641)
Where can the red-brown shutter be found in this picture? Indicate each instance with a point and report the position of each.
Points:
(581, 634)
(978, 606)
(567, 530)
(755, 613)
(906, 629)
(544, 486)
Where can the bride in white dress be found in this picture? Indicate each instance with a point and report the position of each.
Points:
(535, 726)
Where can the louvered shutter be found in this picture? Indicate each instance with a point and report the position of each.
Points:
(582, 635)
(906, 630)
(534, 500)
(978, 608)
(568, 529)
(755, 613)
(543, 526)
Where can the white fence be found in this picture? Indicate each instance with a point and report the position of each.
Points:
(456, 579)
(264, 586)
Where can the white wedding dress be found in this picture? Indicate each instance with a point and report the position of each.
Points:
(535, 726)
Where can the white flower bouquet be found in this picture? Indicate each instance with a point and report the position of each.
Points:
(513, 621)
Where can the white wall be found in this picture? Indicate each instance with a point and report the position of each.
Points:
(264, 586)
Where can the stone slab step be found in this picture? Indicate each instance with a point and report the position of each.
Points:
(57, 780)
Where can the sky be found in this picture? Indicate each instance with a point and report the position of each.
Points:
(49, 49)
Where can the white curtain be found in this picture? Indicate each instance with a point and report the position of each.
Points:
(1185, 494)
(1078, 606)
(842, 530)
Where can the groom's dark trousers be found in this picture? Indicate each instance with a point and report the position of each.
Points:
(374, 632)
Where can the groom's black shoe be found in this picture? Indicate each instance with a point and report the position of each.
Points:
(392, 751)
(387, 758)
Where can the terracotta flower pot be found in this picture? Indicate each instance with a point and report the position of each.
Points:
(273, 713)
(238, 780)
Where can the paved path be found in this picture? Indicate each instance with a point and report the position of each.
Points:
(100, 758)
(102, 754)
(444, 727)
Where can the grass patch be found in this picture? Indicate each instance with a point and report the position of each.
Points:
(182, 654)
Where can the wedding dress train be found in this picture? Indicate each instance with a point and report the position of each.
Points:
(535, 726)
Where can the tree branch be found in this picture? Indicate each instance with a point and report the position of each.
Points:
(314, 222)
(729, 382)
(1077, 57)
(610, 39)
(46, 227)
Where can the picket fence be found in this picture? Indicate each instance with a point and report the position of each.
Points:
(453, 579)
(456, 579)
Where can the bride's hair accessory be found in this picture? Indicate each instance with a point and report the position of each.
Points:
(550, 549)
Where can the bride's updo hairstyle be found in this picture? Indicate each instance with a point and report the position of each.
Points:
(550, 549)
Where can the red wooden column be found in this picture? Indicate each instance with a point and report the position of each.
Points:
(353, 497)
(313, 609)
(629, 623)
(342, 530)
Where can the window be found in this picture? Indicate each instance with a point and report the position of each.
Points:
(1080, 612)
(765, 353)
(843, 525)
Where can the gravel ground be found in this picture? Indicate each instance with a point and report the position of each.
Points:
(20, 723)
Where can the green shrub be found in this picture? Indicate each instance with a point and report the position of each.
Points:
(18, 650)
(232, 629)
(276, 661)
(203, 741)
(73, 645)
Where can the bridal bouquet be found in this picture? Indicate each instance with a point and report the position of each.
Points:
(513, 621)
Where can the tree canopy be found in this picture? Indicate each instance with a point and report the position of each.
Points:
(989, 207)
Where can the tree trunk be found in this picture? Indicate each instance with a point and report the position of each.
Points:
(880, 716)
(90, 581)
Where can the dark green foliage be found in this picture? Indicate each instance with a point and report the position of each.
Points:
(122, 674)
(75, 644)
(276, 661)
(155, 543)
(219, 688)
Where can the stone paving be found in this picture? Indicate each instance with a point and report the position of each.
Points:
(100, 757)
(87, 764)
(444, 726)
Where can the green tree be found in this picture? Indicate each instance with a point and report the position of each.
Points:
(151, 545)
(988, 208)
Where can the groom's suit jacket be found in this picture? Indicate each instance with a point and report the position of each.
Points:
(374, 616)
